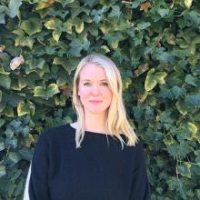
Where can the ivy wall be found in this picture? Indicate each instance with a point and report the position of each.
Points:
(155, 43)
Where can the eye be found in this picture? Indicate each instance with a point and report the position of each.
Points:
(104, 84)
(86, 83)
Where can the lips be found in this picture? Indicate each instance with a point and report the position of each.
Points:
(95, 101)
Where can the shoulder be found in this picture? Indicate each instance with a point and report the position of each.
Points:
(138, 150)
(64, 131)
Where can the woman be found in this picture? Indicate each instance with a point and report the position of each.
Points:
(99, 157)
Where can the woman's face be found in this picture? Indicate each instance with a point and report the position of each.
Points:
(93, 89)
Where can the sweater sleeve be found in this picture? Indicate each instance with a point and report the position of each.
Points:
(140, 183)
(38, 184)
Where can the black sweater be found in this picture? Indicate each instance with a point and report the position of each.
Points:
(99, 170)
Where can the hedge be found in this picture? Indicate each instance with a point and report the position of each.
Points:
(156, 45)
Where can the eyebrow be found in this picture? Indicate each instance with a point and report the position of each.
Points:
(91, 80)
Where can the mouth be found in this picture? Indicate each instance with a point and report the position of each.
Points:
(95, 101)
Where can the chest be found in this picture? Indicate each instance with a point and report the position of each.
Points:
(90, 172)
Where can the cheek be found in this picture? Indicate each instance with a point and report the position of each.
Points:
(82, 92)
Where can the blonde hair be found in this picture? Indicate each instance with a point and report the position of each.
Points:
(117, 122)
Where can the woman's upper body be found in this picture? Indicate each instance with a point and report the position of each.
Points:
(99, 157)
(100, 169)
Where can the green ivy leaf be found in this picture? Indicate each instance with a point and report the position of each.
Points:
(193, 100)
(24, 41)
(188, 3)
(14, 7)
(79, 26)
(150, 82)
(143, 25)
(50, 91)
(25, 108)
(77, 45)
(153, 78)
(98, 14)
(191, 80)
(113, 39)
(8, 111)
(12, 158)
(31, 26)
(26, 154)
(2, 145)
(2, 170)
(163, 12)
(184, 169)
(65, 2)
(54, 24)
(5, 81)
(3, 11)
(34, 63)
(56, 34)
(181, 108)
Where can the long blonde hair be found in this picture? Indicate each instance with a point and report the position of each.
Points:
(117, 122)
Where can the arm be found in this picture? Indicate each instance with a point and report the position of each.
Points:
(38, 184)
(140, 184)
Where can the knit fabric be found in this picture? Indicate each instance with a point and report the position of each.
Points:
(99, 170)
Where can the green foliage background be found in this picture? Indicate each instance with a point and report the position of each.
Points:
(156, 45)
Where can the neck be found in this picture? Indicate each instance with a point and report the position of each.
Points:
(96, 123)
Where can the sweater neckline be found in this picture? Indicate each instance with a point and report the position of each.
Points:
(92, 132)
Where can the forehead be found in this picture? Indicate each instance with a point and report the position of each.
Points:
(92, 71)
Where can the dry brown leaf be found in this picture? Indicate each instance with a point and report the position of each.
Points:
(16, 62)
(2, 48)
(145, 6)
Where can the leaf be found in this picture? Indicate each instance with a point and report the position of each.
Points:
(12, 158)
(181, 108)
(145, 6)
(191, 127)
(98, 14)
(54, 24)
(150, 82)
(8, 111)
(50, 91)
(2, 170)
(79, 26)
(191, 80)
(14, 7)
(56, 34)
(188, 3)
(163, 12)
(31, 26)
(160, 77)
(16, 62)
(113, 39)
(3, 11)
(65, 2)
(77, 45)
(42, 5)
(184, 169)
(5, 81)
(25, 108)
(115, 12)
(11, 143)
(68, 64)
(193, 100)
(26, 154)
(24, 41)
(143, 25)
(34, 63)
(2, 145)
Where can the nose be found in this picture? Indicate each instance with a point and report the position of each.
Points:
(95, 90)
